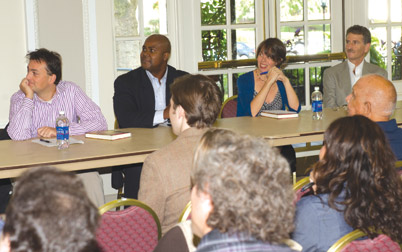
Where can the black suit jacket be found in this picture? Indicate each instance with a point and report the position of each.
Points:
(134, 98)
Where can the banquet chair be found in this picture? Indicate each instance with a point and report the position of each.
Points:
(186, 214)
(297, 188)
(348, 243)
(229, 107)
(136, 228)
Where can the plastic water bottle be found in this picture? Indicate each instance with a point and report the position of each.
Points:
(63, 131)
(316, 98)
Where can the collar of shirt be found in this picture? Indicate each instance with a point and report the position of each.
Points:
(358, 70)
(59, 89)
(159, 90)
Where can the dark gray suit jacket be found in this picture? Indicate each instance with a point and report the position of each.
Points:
(337, 83)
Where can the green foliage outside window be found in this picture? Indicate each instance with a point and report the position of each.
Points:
(375, 56)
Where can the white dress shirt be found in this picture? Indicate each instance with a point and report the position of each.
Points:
(355, 72)
(160, 96)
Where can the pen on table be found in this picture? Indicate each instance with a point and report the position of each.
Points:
(44, 140)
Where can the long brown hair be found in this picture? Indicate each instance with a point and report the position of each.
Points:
(360, 164)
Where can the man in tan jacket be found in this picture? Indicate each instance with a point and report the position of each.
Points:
(165, 177)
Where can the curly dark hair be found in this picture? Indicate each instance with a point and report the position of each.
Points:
(360, 163)
(50, 211)
(249, 184)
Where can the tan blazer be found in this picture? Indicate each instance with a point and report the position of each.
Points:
(165, 178)
(337, 83)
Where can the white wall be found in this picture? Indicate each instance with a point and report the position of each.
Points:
(106, 64)
(60, 29)
(12, 51)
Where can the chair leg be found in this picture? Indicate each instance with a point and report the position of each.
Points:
(119, 196)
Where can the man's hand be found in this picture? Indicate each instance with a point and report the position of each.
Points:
(47, 132)
(166, 112)
(29, 93)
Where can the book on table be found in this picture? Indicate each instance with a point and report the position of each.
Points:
(279, 114)
(108, 134)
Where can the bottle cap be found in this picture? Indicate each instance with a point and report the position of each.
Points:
(316, 88)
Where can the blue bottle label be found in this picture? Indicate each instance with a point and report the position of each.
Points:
(317, 106)
(62, 133)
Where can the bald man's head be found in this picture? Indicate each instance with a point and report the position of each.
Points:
(155, 55)
(372, 96)
(163, 40)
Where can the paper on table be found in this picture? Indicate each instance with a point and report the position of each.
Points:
(53, 142)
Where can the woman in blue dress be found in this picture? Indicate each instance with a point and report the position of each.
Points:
(356, 187)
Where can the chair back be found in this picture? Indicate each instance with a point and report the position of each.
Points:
(297, 188)
(229, 107)
(186, 214)
(348, 243)
(136, 228)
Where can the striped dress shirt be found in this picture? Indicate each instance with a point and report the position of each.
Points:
(27, 116)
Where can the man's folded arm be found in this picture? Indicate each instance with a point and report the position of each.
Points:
(20, 118)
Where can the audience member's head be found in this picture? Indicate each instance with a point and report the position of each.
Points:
(360, 30)
(196, 102)
(241, 185)
(273, 48)
(50, 211)
(155, 53)
(357, 162)
(358, 41)
(372, 96)
(51, 59)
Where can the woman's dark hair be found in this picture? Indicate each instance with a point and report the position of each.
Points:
(274, 49)
(360, 164)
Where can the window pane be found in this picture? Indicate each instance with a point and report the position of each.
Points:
(291, 10)
(293, 37)
(319, 39)
(242, 11)
(296, 78)
(222, 82)
(126, 18)
(318, 10)
(396, 53)
(155, 20)
(243, 43)
(396, 11)
(213, 12)
(214, 46)
(235, 76)
(378, 49)
(128, 54)
(378, 11)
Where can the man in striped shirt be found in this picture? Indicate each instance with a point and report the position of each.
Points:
(42, 95)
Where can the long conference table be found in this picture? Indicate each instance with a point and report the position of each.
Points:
(17, 156)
